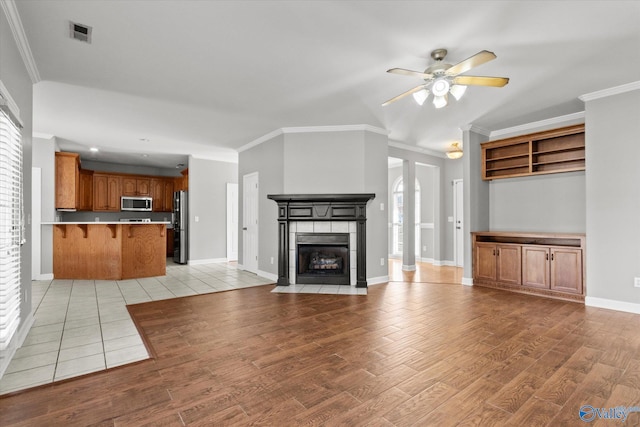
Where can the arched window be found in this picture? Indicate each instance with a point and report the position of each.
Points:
(398, 218)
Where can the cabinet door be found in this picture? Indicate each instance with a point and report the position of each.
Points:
(485, 261)
(508, 260)
(129, 187)
(67, 180)
(85, 194)
(113, 193)
(143, 187)
(170, 242)
(566, 270)
(168, 195)
(157, 192)
(535, 266)
(100, 193)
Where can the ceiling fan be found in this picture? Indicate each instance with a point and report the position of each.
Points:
(441, 78)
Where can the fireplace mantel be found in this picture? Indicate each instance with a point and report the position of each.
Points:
(322, 207)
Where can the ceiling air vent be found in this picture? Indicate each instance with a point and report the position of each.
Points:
(80, 32)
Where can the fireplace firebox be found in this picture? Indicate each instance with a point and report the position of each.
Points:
(322, 258)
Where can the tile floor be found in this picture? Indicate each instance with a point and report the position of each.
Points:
(320, 289)
(83, 326)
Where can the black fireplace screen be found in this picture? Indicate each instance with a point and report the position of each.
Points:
(322, 258)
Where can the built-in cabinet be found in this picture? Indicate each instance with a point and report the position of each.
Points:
(82, 189)
(162, 193)
(545, 264)
(106, 192)
(552, 151)
(67, 180)
(133, 186)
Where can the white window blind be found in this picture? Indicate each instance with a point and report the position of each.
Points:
(11, 224)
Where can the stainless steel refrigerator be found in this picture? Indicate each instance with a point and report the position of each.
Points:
(180, 227)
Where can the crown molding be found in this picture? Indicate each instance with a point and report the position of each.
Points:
(312, 129)
(416, 149)
(611, 91)
(11, 12)
(525, 128)
(476, 129)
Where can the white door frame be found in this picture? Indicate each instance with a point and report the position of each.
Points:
(458, 223)
(250, 198)
(232, 221)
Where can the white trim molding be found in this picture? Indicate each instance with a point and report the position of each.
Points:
(611, 91)
(554, 121)
(312, 129)
(408, 267)
(467, 281)
(206, 261)
(268, 275)
(13, 17)
(415, 148)
(611, 304)
(476, 129)
(16, 343)
(44, 276)
(377, 280)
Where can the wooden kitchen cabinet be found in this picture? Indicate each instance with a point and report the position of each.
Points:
(106, 193)
(162, 193)
(85, 193)
(132, 186)
(545, 264)
(499, 262)
(67, 180)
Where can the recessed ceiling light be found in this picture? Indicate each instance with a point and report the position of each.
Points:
(144, 139)
(93, 149)
(145, 155)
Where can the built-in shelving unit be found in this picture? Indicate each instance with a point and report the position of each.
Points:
(553, 151)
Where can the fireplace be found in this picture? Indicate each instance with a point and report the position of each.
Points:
(312, 218)
(322, 258)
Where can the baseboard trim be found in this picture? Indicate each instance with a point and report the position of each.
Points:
(47, 276)
(377, 280)
(467, 281)
(16, 343)
(206, 261)
(268, 275)
(610, 304)
(408, 267)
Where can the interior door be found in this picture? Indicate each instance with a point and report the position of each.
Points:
(232, 221)
(250, 222)
(458, 225)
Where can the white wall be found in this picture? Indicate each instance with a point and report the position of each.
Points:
(44, 158)
(613, 200)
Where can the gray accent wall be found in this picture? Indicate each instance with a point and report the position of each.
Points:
(44, 152)
(352, 161)
(132, 169)
(613, 197)
(545, 203)
(268, 160)
(15, 78)
(452, 170)
(208, 201)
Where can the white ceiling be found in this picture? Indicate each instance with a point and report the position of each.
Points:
(204, 78)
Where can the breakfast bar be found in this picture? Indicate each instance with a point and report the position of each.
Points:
(108, 250)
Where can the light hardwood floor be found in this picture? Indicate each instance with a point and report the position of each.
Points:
(408, 353)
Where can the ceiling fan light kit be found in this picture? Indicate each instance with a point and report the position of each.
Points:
(441, 78)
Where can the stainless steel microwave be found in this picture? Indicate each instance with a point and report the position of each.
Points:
(136, 203)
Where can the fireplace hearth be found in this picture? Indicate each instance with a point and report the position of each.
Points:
(317, 215)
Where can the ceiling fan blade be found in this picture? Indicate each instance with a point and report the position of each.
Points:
(404, 72)
(402, 95)
(480, 81)
(473, 61)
